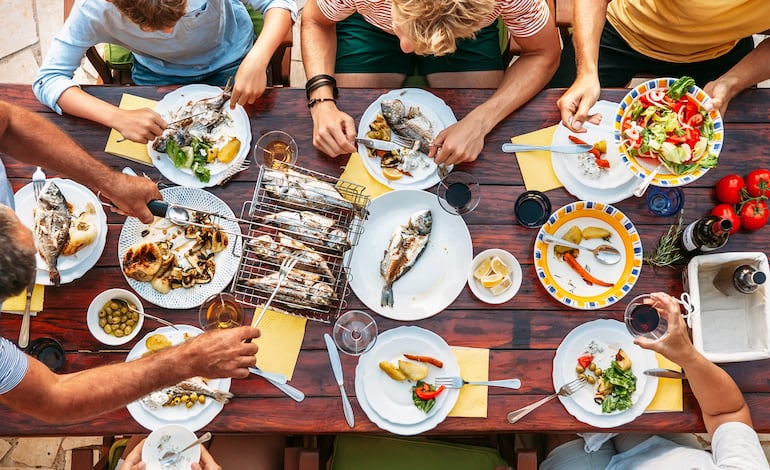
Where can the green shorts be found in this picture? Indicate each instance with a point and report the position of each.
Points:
(365, 48)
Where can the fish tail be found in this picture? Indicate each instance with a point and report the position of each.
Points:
(54, 276)
(387, 295)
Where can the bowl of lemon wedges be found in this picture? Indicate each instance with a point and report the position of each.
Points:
(494, 276)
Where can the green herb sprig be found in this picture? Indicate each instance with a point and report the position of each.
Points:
(668, 252)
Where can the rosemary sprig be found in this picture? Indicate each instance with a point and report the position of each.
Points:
(667, 252)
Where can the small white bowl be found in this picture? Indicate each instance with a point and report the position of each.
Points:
(481, 292)
(172, 437)
(92, 317)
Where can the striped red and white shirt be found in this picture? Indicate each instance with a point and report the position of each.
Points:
(523, 18)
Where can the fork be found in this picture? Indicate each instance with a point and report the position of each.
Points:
(283, 271)
(38, 181)
(442, 170)
(234, 171)
(171, 457)
(566, 390)
(458, 382)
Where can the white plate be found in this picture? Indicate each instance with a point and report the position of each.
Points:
(74, 266)
(438, 276)
(613, 335)
(227, 262)
(482, 293)
(388, 403)
(433, 108)
(192, 418)
(172, 103)
(174, 438)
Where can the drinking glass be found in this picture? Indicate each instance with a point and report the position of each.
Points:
(642, 318)
(354, 332)
(532, 209)
(220, 311)
(276, 149)
(458, 193)
(48, 351)
(664, 201)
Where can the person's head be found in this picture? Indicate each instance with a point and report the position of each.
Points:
(17, 258)
(152, 15)
(432, 27)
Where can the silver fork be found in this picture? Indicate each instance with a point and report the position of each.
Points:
(234, 171)
(283, 271)
(442, 170)
(566, 390)
(38, 182)
(458, 382)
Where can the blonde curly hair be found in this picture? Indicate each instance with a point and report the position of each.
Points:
(434, 26)
(152, 15)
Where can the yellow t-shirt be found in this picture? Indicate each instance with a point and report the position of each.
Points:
(685, 31)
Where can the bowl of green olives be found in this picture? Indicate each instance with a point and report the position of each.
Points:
(115, 316)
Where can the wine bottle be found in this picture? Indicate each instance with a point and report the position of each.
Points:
(744, 279)
(705, 234)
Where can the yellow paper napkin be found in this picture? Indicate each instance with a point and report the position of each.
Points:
(536, 168)
(669, 394)
(18, 302)
(474, 365)
(356, 172)
(279, 342)
(129, 149)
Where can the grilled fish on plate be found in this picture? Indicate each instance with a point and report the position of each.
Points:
(51, 227)
(404, 248)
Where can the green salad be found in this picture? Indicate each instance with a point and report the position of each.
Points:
(622, 384)
(195, 157)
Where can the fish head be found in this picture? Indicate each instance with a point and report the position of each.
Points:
(393, 111)
(422, 221)
(51, 197)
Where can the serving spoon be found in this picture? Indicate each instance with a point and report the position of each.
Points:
(605, 254)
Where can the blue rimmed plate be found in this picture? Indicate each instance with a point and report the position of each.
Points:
(642, 167)
(563, 283)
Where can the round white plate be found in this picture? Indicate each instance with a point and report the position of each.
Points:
(174, 438)
(438, 276)
(227, 262)
(613, 335)
(433, 108)
(565, 284)
(192, 418)
(74, 266)
(388, 403)
(482, 293)
(178, 99)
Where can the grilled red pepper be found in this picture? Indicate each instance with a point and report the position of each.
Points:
(425, 392)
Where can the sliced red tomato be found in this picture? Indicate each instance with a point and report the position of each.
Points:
(585, 360)
(754, 215)
(727, 211)
(729, 189)
(758, 182)
(695, 120)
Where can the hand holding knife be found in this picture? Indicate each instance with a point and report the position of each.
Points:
(334, 357)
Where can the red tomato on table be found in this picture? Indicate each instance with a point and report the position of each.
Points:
(757, 178)
(754, 215)
(727, 211)
(729, 189)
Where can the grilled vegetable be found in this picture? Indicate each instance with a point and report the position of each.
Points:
(588, 277)
(413, 370)
(427, 359)
(574, 235)
(392, 371)
(596, 232)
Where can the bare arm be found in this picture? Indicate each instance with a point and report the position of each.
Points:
(30, 138)
(751, 70)
(587, 24)
(82, 395)
(333, 130)
(251, 79)
(719, 397)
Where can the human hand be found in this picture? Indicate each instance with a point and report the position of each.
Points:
(675, 344)
(133, 461)
(721, 92)
(333, 131)
(250, 82)
(227, 353)
(206, 462)
(139, 125)
(131, 194)
(575, 103)
(458, 143)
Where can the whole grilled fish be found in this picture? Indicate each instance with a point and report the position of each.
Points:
(201, 387)
(268, 249)
(310, 228)
(296, 190)
(295, 293)
(51, 227)
(202, 117)
(404, 248)
(411, 124)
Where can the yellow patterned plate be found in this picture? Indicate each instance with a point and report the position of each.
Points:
(643, 167)
(563, 282)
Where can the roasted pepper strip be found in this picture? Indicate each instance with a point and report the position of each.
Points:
(573, 263)
(425, 392)
(428, 359)
(594, 151)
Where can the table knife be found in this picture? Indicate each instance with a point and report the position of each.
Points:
(565, 148)
(293, 392)
(24, 331)
(334, 357)
(667, 373)
(379, 144)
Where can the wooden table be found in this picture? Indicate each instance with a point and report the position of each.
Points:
(522, 334)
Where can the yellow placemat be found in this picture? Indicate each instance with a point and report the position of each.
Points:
(356, 172)
(18, 302)
(536, 168)
(669, 394)
(279, 341)
(474, 365)
(128, 149)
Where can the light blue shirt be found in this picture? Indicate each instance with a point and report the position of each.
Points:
(6, 191)
(13, 366)
(211, 35)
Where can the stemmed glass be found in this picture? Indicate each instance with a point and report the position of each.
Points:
(354, 332)
(276, 149)
(220, 311)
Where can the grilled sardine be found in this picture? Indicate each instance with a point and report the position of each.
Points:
(404, 248)
(310, 228)
(295, 293)
(299, 191)
(411, 124)
(307, 259)
(51, 227)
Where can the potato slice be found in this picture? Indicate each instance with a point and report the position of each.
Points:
(413, 370)
(392, 371)
(574, 235)
(596, 232)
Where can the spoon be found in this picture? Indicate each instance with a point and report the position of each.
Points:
(174, 213)
(157, 319)
(639, 191)
(605, 254)
(171, 457)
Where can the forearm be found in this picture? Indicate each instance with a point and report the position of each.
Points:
(319, 45)
(587, 25)
(751, 70)
(76, 102)
(277, 24)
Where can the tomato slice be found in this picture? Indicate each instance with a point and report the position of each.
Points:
(585, 360)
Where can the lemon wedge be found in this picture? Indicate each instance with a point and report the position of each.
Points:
(392, 173)
(483, 268)
(503, 286)
(499, 266)
(491, 280)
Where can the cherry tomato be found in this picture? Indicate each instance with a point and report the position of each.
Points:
(729, 189)
(757, 178)
(727, 211)
(754, 215)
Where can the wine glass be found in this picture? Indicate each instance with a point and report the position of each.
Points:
(642, 318)
(220, 311)
(354, 332)
(458, 193)
(276, 149)
(664, 201)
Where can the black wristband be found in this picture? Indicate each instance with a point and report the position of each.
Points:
(315, 101)
(321, 80)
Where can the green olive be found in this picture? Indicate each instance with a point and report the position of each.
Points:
(189, 404)
(201, 399)
(123, 310)
(592, 367)
(114, 305)
(580, 369)
(102, 314)
(108, 329)
(118, 333)
(590, 379)
(598, 371)
(102, 322)
(131, 322)
(581, 376)
(133, 316)
(115, 320)
(127, 330)
(194, 396)
(177, 400)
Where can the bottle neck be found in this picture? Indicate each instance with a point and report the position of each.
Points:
(721, 227)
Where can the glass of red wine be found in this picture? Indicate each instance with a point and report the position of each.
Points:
(458, 193)
(532, 209)
(643, 319)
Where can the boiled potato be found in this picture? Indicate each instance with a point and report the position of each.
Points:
(596, 232)
(413, 370)
(574, 235)
(392, 371)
